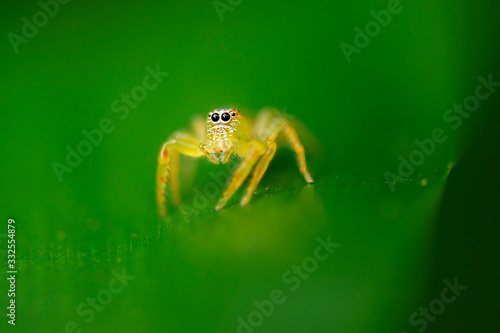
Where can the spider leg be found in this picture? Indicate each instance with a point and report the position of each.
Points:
(198, 125)
(292, 137)
(259, 171)
(261, 124)
(168, 166)
(174, 179)
(253, 153)
(278, 125)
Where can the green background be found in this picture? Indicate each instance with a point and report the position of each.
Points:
(199, 272)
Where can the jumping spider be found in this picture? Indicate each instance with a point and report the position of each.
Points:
(226, 132)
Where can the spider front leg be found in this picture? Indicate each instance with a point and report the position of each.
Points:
(259, 171)
(168, 166)
(252, 152)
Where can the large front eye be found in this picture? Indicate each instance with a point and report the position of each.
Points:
(215, 117)
(226, 117)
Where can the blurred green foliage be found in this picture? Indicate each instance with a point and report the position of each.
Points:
(199, 272)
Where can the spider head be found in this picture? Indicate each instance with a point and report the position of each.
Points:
(223, 128)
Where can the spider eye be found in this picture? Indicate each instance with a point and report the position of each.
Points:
(233, 114)
(215, 117)
(225, 117)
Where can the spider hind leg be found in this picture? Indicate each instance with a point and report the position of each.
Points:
(269, 124)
